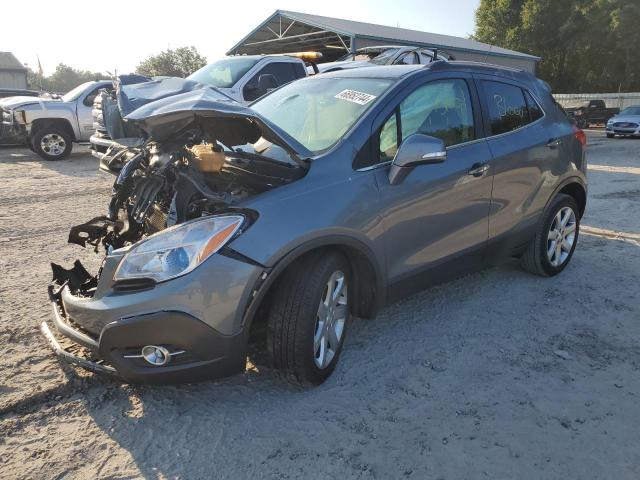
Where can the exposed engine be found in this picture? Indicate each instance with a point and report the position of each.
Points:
(167, 184)
(194, 153)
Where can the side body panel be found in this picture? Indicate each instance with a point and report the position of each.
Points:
(528, 164)
(436, 219)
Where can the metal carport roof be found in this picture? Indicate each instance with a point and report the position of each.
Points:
(285, 31)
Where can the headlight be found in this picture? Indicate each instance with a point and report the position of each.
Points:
(179, 249)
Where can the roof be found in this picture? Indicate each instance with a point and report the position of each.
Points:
(8, 61)
(397, 71)
(273, 31)
(378, 71)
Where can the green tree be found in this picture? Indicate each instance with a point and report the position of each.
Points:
(179, 62)
(585, 45)
(64, 78)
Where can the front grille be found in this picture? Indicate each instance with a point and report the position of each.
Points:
(625, 125)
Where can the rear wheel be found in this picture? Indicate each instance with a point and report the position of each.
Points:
(553, 245)
(610, 135)
(52, 143)
(308, 318)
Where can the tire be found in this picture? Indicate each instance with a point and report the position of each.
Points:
(295, 328)
(610, 135)
(537, 259)
(52, 143)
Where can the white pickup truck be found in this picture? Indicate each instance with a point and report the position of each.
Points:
(242, 78)
(50, 126)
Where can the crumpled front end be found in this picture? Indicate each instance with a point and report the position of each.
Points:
(194, 168)
(104, 327)
(12, 128)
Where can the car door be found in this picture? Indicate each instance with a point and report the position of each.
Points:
(523, 147)
(436, 219)
(84, 105)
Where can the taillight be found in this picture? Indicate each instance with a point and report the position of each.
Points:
(580, 135)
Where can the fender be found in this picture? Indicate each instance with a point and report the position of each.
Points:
(339, 241)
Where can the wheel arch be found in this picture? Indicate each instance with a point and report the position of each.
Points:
(41, 123)
(369, 285)
(575, 188)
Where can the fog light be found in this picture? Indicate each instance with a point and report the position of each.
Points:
(154, 355)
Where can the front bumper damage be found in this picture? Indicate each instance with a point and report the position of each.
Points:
(101, 327)
(12, 132)
(177, 170)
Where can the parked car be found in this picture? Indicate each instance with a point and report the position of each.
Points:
(242, 78)
(592, 111)
(626, 123)
(383, 55)
(326, 198)
(49, 126)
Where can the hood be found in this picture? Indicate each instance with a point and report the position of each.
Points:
(219, 116)
(135, 95)
(15, 102)
(626, 118)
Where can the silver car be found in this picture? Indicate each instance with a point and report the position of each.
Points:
(326, 199)
(626, 123)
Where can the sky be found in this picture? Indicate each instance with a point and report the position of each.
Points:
(117, 35)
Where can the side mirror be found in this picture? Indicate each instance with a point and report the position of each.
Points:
(267, 82)
(417, 149)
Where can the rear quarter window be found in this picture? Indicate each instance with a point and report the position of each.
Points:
(507, 107)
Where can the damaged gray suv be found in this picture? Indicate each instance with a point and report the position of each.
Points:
(323, 200)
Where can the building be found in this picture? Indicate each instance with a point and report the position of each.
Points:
(287, 31)
(12, 73)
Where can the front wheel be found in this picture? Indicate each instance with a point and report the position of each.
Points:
(52, 143)
(610, 135)
(308, 318)
(553, 245)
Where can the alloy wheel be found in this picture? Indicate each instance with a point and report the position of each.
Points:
(53, 144)
(561, 237)
(330, 320)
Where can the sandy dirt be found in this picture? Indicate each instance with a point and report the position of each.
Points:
(496, 375)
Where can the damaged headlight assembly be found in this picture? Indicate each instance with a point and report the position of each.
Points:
(176, 251)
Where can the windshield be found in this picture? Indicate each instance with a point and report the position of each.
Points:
(318, 112)
(224, 73)
(76, 92)
(631, 111)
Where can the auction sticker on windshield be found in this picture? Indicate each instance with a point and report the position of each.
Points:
(354, 96)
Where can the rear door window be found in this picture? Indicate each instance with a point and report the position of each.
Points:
(507, 107)
(535, 112)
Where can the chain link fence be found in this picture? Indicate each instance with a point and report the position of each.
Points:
(612, 100)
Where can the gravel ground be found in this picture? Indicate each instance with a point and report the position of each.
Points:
(496, 375)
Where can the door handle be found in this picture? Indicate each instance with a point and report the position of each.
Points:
(554, 142)
(478, 169)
